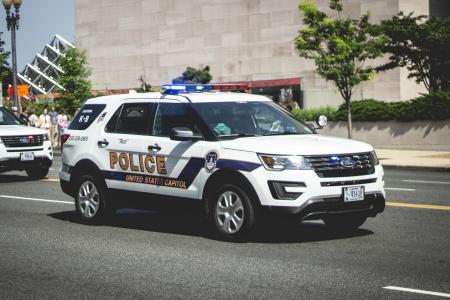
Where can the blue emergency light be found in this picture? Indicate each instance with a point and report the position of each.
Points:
(186, 88)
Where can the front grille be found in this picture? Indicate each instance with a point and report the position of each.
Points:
(332, 166)
(23, 140)
(347, 182)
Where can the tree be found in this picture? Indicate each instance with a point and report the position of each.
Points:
(340, 48)
(4, 67)
(422, 45)
(77, 87)
(193, 75)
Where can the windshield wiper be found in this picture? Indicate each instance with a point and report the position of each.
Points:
(284, 133)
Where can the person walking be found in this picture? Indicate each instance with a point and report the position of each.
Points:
(32, 118)
(53, 126)
(62, 124)
(44, 121)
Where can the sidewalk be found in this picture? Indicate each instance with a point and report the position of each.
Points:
(414, 159)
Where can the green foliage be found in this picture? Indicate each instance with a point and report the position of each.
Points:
(4, 66)
(312, 113)
(435, 106)
(339, 46)
(145, 87)
(422, 45)
(75, 79)
(193, 75)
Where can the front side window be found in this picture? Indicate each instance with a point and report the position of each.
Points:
(131, 118)
(228, 119)
(171, 115)
(6, 118)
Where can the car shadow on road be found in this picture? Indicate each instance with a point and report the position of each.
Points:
(14, 178)
(193, 223)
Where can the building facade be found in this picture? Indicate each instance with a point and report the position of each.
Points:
(241, 40)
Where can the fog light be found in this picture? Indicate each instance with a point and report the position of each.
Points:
(283, 190)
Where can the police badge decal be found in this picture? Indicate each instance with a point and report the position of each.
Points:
(211, 161)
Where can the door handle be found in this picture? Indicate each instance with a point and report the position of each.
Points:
(103, 143)
(154, 147)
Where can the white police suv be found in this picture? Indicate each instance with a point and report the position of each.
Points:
(23, 148)
(239, 154)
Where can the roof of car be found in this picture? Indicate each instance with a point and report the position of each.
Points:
(201, 97)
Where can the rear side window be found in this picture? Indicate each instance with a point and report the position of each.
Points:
(132, 118)
(87, 114)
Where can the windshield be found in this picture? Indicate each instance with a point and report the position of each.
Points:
(235, 119)
(6, 118)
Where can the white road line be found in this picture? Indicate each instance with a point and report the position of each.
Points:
(399, 189)
(396, 288)
(35, 199)
(426, 181)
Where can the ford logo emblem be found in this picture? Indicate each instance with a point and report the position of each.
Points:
(347, 162)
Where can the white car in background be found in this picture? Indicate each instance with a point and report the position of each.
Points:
(23, 148)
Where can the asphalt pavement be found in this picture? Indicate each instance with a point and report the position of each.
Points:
(46, 253)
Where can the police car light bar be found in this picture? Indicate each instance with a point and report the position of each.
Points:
(186, 88)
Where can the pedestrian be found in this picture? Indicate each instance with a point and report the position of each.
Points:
(53, 126)
(32, 118)
(62, 123)
(44, 121)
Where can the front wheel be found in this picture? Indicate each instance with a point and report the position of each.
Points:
(344, 222)
(232, 213)
(90, 200)
(37, 172)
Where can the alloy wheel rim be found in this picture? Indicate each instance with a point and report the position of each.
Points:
(88, 199)
(230, 212)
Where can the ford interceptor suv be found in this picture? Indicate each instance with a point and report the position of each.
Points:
(23, 148)
(240, 154)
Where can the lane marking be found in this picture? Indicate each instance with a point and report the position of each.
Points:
(35, 199)
(396, 288)
(426, 181)
(424, 206)
(399, 189)
(50, 179)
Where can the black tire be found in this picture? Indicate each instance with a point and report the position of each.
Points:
(246, 212)
(344, 223)
(36, 173)
(94, 214)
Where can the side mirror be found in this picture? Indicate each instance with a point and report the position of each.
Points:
(23, 121)
(321, 121)
(184, 134)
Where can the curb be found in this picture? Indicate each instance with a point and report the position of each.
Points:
(416, 168)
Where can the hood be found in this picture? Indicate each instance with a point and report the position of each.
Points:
(8, 130)
(308, 144)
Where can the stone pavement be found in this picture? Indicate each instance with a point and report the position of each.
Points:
(414, 158)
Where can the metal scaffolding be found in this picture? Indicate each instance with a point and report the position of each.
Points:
(43, 72)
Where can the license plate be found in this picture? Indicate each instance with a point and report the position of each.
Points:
(26, 156)
(353, 193)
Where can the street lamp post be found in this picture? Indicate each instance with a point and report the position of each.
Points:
(12, 21)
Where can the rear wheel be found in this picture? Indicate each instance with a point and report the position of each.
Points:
(90, 199)
(37, 172)
(344, 222)
(231, 212)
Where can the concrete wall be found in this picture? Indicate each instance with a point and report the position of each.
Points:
(240, 39)
(417, 135)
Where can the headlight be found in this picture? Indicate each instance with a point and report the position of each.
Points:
(375, 158)
(280, 163)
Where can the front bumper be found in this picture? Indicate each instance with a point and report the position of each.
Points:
(313, 195)
(10, 157)
(320, 208)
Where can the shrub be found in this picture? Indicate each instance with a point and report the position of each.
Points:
(435, 106)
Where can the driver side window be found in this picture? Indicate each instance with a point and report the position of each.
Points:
(171, 115)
